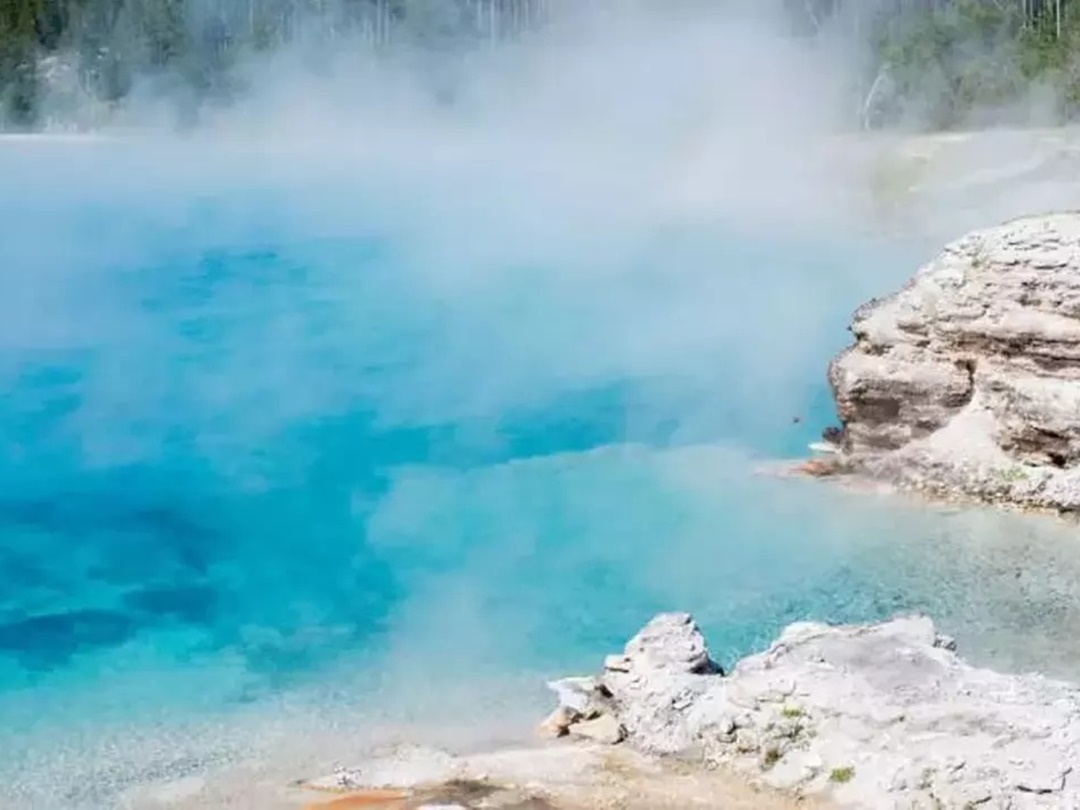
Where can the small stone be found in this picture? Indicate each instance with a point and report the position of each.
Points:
(576, 694)
(726, 726)
(945, 642)
(604, 729)
(747, 740)
(557, 724)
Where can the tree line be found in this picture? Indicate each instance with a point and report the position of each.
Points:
(935, 62)
(949, 63)
(102, 46)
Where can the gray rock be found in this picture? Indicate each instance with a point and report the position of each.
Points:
(669, 641)
(879, 716)
(557, 724)
(576, 695)
(603, 729)
(966, 382)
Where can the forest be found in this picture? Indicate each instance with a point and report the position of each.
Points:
(930, 63)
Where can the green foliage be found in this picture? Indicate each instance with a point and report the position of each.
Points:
(951, 59)
(960, 58)
(18, 79)
(945, 61)
(191, 45)
(841, 776)
(1012, 475)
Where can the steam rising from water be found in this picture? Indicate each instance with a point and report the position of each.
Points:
(365, 408)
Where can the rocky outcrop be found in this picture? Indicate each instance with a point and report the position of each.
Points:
(967, 381)
(879, 716)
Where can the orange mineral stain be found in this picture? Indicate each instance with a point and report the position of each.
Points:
(387, 799)
(816, 468)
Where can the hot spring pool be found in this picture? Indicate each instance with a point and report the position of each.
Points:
(360, 456)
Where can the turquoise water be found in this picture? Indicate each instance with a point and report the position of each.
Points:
(346, 439)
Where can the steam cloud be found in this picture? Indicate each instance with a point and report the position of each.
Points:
(663, 214)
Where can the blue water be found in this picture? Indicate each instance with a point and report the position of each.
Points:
(257, 436)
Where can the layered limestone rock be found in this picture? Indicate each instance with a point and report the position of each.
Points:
(878, 716)
(967, 381)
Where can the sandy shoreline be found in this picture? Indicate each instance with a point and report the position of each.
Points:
(553, 776)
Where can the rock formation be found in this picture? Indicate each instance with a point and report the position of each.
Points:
(967, 381)
(879, 716)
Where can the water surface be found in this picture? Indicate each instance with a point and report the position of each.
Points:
(367, 448)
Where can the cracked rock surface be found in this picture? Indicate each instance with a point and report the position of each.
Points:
(876, 716)
(966, 382)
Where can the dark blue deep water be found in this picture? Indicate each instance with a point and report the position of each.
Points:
(258, 433)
